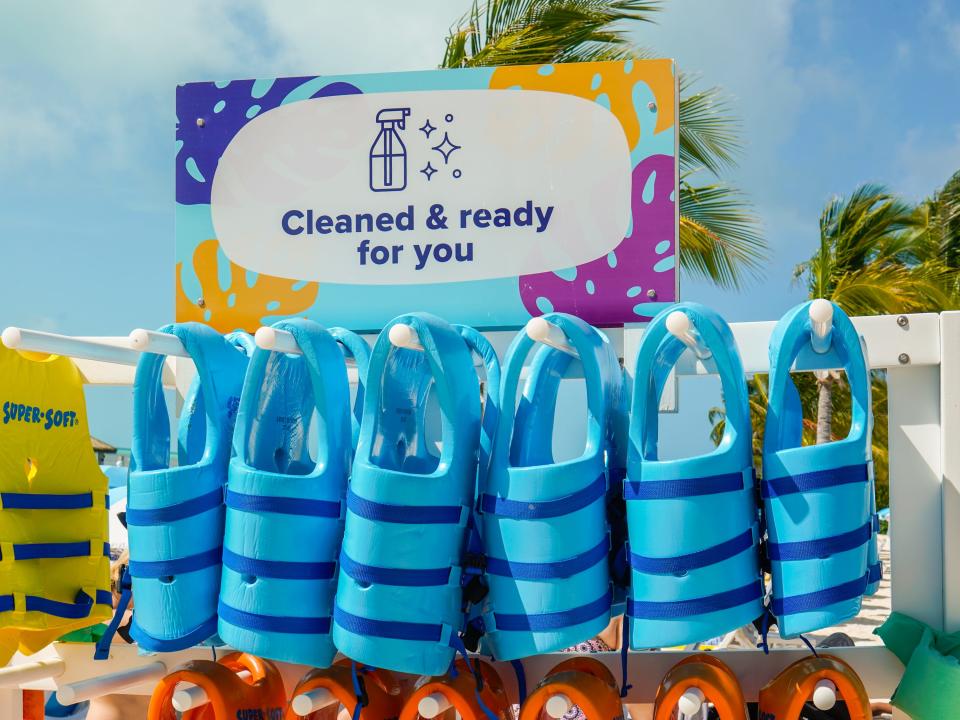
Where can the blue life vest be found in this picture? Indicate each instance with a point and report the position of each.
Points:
(544, 522)
(817, 498)
(175, 514)
(355, 347)
(285, 492)
(693, 522)
(399, 599)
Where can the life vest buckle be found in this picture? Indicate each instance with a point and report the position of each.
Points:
(474, 631)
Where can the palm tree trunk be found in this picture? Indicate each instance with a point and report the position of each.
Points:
(825, 410)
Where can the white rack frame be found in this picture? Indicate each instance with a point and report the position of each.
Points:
(921, 354)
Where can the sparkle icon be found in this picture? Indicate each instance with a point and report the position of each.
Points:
(429, 170)
(446, 148)
(427, 128)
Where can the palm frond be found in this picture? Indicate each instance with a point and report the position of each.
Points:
(709, 134)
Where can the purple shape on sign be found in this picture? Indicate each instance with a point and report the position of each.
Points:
(204, 142)
(598, 291)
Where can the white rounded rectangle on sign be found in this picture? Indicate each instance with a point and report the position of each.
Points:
(423, 187)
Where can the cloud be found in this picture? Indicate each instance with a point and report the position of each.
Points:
(926, 163)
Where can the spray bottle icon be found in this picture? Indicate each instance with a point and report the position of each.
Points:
(388, 155)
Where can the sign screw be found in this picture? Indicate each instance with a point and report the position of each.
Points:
(651, 293)
(903, 321)
(201, 122)
(652, 106)
(201, 303)
(904, 359)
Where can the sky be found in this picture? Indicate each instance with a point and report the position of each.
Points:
(829, 94)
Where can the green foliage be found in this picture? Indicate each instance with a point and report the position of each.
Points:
(720, 240)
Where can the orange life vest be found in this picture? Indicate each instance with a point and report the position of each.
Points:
(587, 682)
(461, 692)
(783, 697)
(383, 691)
(712, 677)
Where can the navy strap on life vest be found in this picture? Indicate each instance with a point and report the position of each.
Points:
(809, 602)
(282, 505)
(76, 610)
(702, 558)
(545, 622)
(48, 501)
(821, 547)
(281, 569)
(102, 651)
(544, 570)
(165, 568)
(386, 628)
(272, 623)
(407, 577)
(526, 510)
(815, 480)
(875, 573)
(179, 511)
(404, 514)
(683, 487)
(45, 551)
(652, 610)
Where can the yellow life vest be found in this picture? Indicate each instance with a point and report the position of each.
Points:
(54, 545)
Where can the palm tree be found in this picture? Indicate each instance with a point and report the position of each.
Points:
(719, 235)
(871, 261)
(938, 231)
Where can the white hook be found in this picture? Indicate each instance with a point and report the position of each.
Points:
(433, 705)
(541, 330)
(312, 701)
(405, 336)
(112, 350)
(157, 342)
(821, 324)
(29, 672)
(825, 695)
(187, 696)
(679, 325)
(107, 684)
(270, 338)
(690, 702)
(558, 705)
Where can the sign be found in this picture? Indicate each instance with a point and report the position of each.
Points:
(486, 196)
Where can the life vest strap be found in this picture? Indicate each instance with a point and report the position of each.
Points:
(814, 480)
(691, 561)
(875, 573)
(530, 510)
(682, 487)
(153, 569)
(48, 501)
(546, 570)
(821, 547)
(172, 513)
(390, 629)
(44, 551)
(809, 602)
(282, 505)
(545, 622)
(273, 623)
(76, 610)
(404, 577)
(671, 610)
(281, 569)
(404, 514)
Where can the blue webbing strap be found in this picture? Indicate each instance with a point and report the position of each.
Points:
(875, 573)
(47, 551)
(526, 510)
(282, 505)
(521, 679)
(282, 569)
(405, 514)
(46, 501)
(359, 690)
(273, 623)
(816, 480)
(172, 513)
(694, 560)
(545, 622)
(821, 547)
(152, 569)
(684, 487)
(404, 577)
(103, 644)
(203, 631)
(76, 610)
(391, 630)
(543, 570)
(624, 649)
(457, 644)
(652, 610)
(809, 602)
